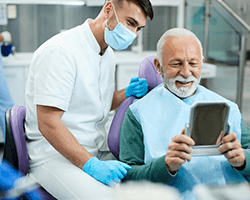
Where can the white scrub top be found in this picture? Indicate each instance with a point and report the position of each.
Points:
(68, 73)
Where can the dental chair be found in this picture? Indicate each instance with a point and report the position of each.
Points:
(147, 70)
(15, 149)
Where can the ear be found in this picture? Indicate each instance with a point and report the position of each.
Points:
(108, 8)
(203, 60)
(157, 66)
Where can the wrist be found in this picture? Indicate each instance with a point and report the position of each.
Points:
(127, 92)
(242, 167)
(171, 172)
(88, 166)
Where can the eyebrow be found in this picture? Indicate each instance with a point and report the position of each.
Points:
(180, 60)
(176, 60)
(194, 59)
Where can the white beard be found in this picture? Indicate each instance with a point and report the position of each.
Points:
(182, 92)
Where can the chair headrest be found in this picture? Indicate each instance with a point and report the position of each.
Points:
(147, 70)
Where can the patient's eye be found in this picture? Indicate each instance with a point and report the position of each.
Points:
(194, 64)
(176, 64)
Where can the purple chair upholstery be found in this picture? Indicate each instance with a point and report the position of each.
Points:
(15, 149)
(147, 70)
(113, 137)
(15, 121)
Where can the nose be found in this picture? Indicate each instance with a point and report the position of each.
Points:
(186, 70)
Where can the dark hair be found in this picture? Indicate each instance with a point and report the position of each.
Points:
(145, 5)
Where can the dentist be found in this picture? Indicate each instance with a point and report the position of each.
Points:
(69, 93)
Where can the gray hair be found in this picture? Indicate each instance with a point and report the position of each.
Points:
(174, 32)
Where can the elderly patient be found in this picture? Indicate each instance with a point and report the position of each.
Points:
(152, 138)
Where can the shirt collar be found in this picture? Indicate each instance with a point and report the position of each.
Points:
(91, 38)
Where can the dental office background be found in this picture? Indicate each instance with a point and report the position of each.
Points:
(32, 24)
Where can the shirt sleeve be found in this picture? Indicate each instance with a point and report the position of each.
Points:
(132, 153)
(54, 77)
(245, 142)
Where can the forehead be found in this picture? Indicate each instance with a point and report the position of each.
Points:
(130, 9)
(181, 46)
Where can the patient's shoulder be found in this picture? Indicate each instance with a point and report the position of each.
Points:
(151, 97)
(211, 95)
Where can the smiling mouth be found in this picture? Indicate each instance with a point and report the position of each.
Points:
(184, 84)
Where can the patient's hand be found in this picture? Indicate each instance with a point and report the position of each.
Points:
(231, 148)
(179, 151)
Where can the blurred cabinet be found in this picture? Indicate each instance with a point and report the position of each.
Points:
(16, 69)
(15, 81)
(127, 66)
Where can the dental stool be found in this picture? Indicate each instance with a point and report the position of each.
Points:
(15, 149)
(146, 70)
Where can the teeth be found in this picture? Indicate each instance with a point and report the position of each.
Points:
(184, 82)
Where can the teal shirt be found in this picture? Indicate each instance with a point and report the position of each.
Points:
(132, 153)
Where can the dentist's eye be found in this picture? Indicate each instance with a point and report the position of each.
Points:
(130, 23)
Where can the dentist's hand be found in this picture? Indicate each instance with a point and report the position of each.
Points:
(231, 148)
(179, 151)
(107, 172)
(137, 87)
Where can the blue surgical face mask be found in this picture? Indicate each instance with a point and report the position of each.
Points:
(119, 38)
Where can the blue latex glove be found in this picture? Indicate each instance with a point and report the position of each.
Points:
(137, 87)
(7, 49)
(8, 177)
(107, 172)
